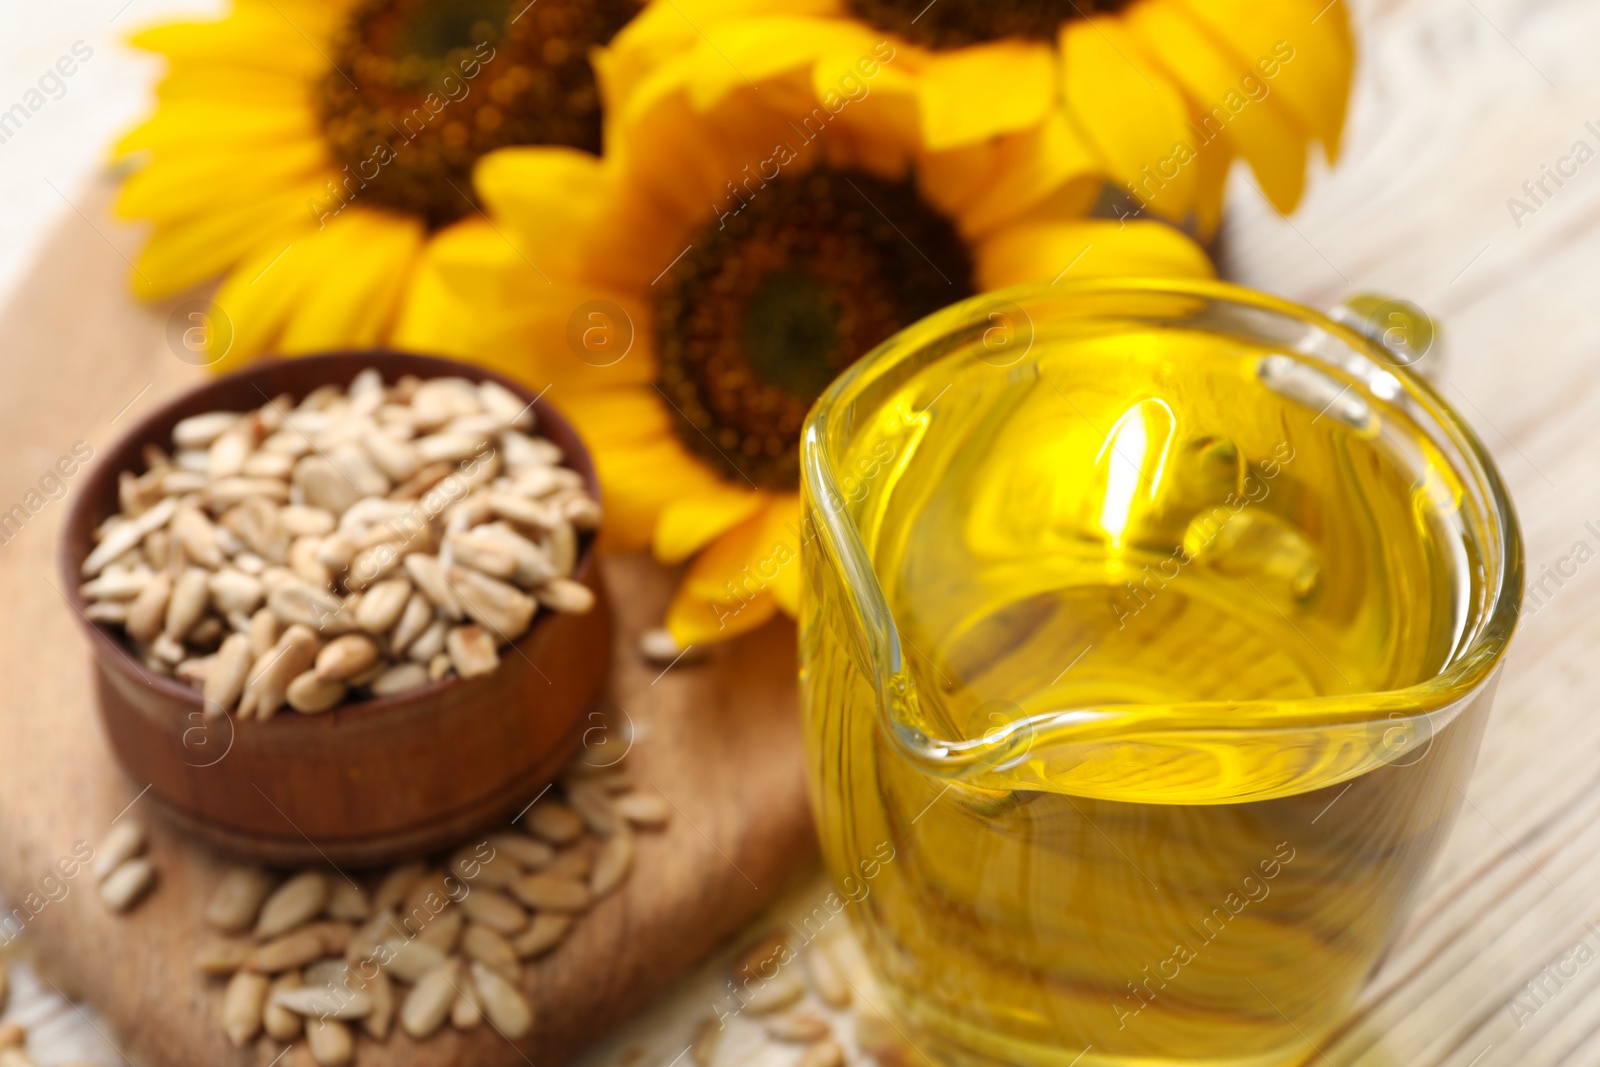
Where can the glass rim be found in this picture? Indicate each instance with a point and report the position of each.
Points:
(1492, 520)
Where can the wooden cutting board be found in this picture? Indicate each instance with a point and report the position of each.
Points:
(79, 360)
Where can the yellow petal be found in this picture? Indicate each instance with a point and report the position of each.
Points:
(433, 317)
(187, 125)
(689, 524)
(352, 300)
(173, 188)
(785, 528)
(190, 250)
(721, 596)
(1061, 251)
(971, 94)
(1233, 106)
(1301, 48)
(258, 296)
(1026, 170)
(1129, 111)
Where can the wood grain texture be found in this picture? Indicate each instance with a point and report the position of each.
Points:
(720, 740)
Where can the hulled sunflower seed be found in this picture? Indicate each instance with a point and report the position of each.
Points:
(345, 657)
(544, 891)
(612, 862)
(566, 595)
(545, 932)
(379, 1020)
(223, 957)
(236, 902)
(330, 1041)
(554, 822)
(502, 1002)
(124, 841)
(299, 900)
(471, 650)
(429, 1002)
(288, 952)
(225, 678)
(398, 679)
(281, 1024)
(493, 909)
(242, 1005)
(310, 694)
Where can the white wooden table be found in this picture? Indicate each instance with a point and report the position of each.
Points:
(1458, 103)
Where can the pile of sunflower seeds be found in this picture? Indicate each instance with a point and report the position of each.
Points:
(814, 995)
(358, 542)
(319, 956)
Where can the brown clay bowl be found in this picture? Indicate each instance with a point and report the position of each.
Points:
(370, 782)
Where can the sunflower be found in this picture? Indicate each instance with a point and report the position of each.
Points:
(312, 151)
(1151, 98)
(687, 298)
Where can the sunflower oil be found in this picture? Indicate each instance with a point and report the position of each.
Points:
(1156, 756)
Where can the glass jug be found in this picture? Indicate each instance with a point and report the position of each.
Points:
(1148, 633)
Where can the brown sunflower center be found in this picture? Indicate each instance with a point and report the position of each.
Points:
(774, 298)
(956, 23)
(421, 88)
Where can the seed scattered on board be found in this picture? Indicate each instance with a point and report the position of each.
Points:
(315, 956)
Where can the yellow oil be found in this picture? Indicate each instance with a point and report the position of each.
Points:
(1150, 758)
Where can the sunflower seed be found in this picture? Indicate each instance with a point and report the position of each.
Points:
(287, 952)
(263, 633)
(382, 605)
(378, 1021)
(317, 999)
(575, 862)
(593, 807)
(396, 886)
(188, 602)
(552, 892)
(346, 901)
(523, 511)
(233, 590)
(502, 1002)
(223, 957)
(124, 841)
(554, 822)
(494, 910)
(561, 546)
(236, 902)
(310, 693)
(825, 978)
(524, 851)
(330, 1041)
(443, 930)
(706, 1039)
(489, 946)
(298, 601)
(127, 885)
(504, 609)
(323, 485)
(429, 643)
(241, 1007)
(410, 961)
(198, 431)
(428, 574)
(297, 901)
(471, 650)
(566, 595)
(345, 656)
(802, 1028)
(545, 932)
(127, 536)
(281, 1024)
(822, 1054)
(198, 537)
(399, 679)
(612, 862)
(225, 677)
(148, 612)
(466, 1013)
(430, 1001)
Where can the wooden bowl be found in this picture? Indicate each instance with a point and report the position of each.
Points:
(366, 783)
